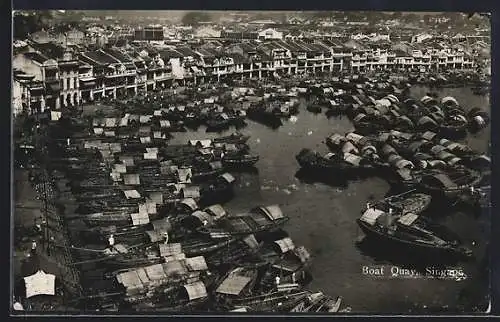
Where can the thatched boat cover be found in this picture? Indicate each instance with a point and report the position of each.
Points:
(441, 180)
(203, 217)
(143, 119)
(273, 212)
(196, 290)
(428, 135)
(139, 219)
(449, 101)
(444, 155)
(215, 165)
(131, 179)
(336, 138)
(426, 120)
(197, 263)
(217, 211)
(191, 192)
(371, 215)
(354, 137)
(132, 194)
(348, 147)
(388, 149)
(228, 177)
(165, 123)
(359, 117)
(161, 225)
(251, 241)
(285, 244)
(167, 250)
(407, 219)
(190, 203)
(352, 159)
(233, 285)
(437, 149)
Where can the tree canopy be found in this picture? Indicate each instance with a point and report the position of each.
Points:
(195, 17)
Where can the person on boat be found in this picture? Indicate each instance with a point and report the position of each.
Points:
(111, 242)
(165, 237)
(68, 141)
(277, 280)
(33, 247)
(18, 306)
(368, 206)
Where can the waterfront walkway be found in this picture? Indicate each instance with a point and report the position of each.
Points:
(28, 212)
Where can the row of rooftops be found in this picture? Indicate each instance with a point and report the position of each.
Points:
(132, 55)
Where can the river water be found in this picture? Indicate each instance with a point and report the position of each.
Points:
(322, 218)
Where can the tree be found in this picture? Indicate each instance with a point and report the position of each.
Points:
(195, 17)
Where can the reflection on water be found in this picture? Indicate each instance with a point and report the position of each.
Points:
(322, 216)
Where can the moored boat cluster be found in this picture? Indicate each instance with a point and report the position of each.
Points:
(147, 221)
(412, 144)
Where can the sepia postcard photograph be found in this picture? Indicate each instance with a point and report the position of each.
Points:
(285, 162)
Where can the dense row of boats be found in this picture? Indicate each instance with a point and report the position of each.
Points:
(148, 226)
(411, 144)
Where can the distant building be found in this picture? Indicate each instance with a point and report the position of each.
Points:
(149, 33)
(207, 32)
(270, 34)
(421, 37)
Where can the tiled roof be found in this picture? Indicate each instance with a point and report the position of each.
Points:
(100, 57)
(36, 57)
(166, 54)
(122, 57)
(401, 53)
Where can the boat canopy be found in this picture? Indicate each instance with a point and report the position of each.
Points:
(336, 139)
(436, 163)
(437, 149)
(191, 192)
(140, 218)
(251, 241)
(444, 155)
(392, 98)
(388, 149)
(202, 143)
(428, 135)
(233, 285)
(352, 159)
(454, 161)
(196, 290)
(348, 147)
(203, 217)
(168, 250)
(422, 156)
(354, 137)
(132, 194)
(426, 99)
(407, 219)
(228, 177)
(196, 264)
(217, 211)
(184, 174)
(285, 244)
(385, 102)
(367, 148)
(273, 212)
(400, 164)
(131, 179)
(449, 101)
(414, 147)
(371, 215)
(359, 117)
(190, 203)
(441, 180)
(161, 225)
(426, 120)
